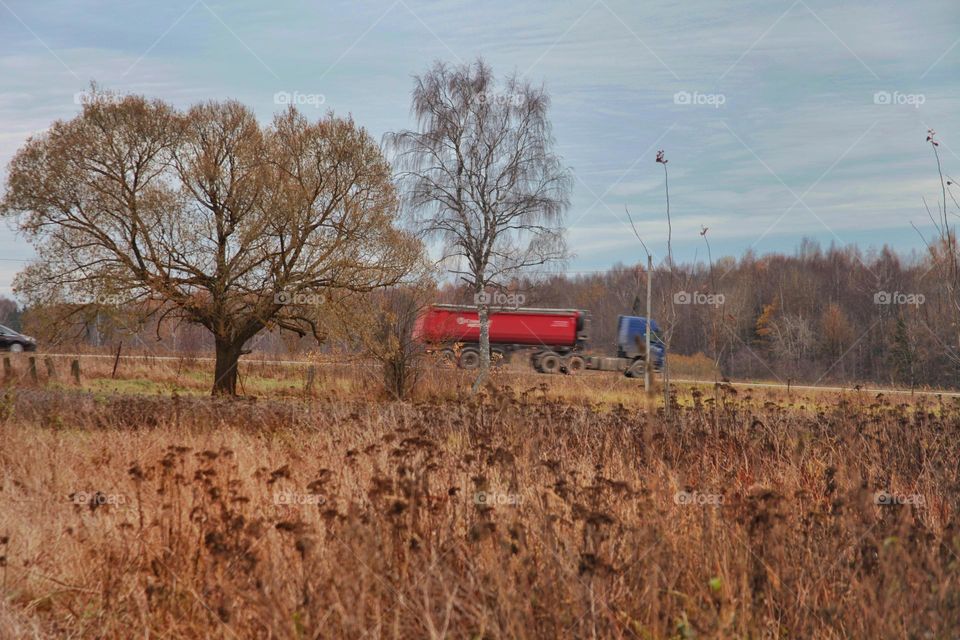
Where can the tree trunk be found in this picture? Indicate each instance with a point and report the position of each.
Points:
(225, 370)
(483, 312)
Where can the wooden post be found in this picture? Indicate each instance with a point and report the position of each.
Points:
(75, 371)
(311, 379)
(116, 360)
(7, 369)
(33, 369)
(51, 370)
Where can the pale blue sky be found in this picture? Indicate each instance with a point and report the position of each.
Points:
(799, 146)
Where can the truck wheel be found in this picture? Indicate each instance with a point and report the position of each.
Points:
(469, 359)
(549, 363)
(573, 365)
(635, 370)
(447, 359)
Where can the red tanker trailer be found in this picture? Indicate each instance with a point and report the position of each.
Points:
(553, 336)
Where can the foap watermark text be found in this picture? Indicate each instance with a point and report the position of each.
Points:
(888, 499)
(298, 298)
(697, 99)
(298, 99)
(497, 499)
(684, 498)
(698, 297)
(897, 297)
(914, 100)
(511, 99)
(499, 299)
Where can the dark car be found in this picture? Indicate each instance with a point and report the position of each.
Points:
(14, 341)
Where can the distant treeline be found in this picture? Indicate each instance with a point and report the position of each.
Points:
(820, 315)
(816, 316)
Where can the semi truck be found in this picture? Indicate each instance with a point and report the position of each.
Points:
(555, 339)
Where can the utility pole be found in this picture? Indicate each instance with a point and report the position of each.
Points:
(648, 365)
(665, 371)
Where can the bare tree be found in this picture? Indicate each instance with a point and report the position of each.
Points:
(380, 325)
(793, 339)
(206, 216)
(481, 175)
(9, 313)
(944, 253)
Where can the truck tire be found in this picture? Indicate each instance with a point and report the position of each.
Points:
(550, 363)
(573, 365)
(469, 359)
(535, 361)
(635, 370)
(447, 359)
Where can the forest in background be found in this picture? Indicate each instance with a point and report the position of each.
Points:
(821, 315)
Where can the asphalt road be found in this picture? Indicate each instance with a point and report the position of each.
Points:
(809, 387)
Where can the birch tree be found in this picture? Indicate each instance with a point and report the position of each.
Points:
(480, 175)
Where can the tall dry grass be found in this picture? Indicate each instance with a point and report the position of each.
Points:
(509, 515)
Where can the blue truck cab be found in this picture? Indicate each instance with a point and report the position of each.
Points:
(632, 336)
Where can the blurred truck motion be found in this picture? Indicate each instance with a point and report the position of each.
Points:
(554, 339)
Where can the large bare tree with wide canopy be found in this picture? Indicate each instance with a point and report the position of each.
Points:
(206, 216)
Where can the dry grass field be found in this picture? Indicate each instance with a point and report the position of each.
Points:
(334, 379)
(545, 507)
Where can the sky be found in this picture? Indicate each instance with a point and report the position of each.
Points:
(781, 120)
